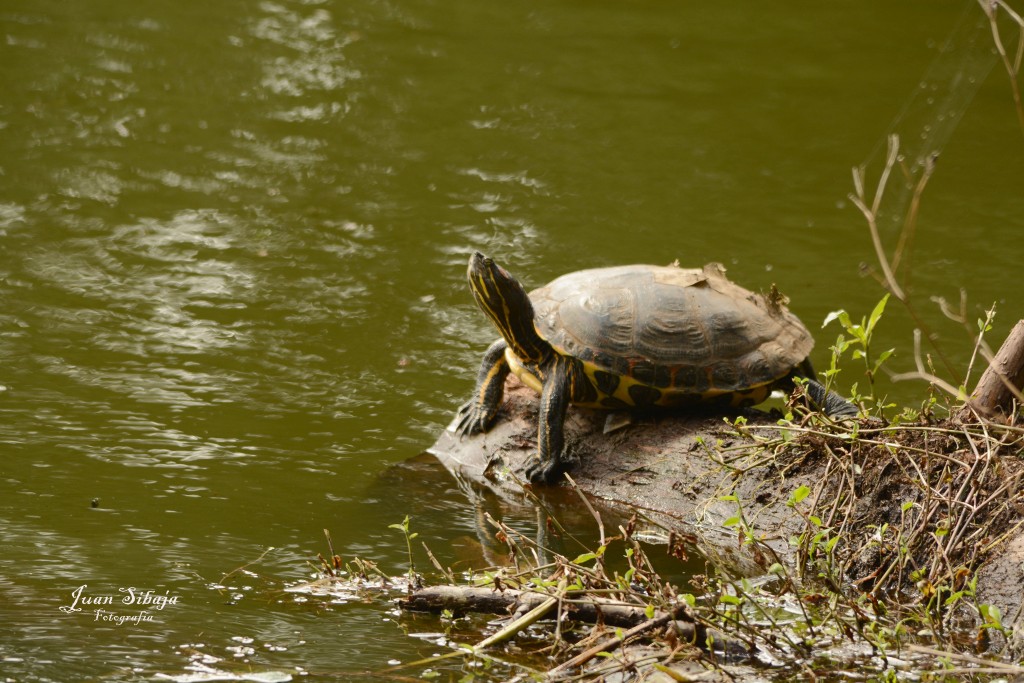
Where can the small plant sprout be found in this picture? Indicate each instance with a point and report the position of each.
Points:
(409, 536)
(861, 336)
(798, 495)
(737, 521)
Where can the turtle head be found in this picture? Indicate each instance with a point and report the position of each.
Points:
(506, 303)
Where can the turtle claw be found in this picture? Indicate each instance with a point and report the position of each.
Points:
(471, 418)
(541, 472)
(549, 471)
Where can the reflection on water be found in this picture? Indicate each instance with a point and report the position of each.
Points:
(233, 240)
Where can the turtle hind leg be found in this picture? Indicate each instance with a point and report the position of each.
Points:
(825, 400)
(476, 415)
(829, 402)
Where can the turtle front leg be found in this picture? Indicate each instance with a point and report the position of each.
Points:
(552, 459)
(477, 414)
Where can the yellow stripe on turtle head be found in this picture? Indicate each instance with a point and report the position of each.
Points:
(506, 303)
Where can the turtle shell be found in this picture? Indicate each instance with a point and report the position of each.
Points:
(688, 332)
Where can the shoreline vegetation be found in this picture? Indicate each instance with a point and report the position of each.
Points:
(831, 546)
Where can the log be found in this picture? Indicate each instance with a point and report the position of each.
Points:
(653, 624)
(577, 607)
(663, 464)
(1001, 382)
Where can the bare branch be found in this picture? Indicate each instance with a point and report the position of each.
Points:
(1012, 67)
(871, 214)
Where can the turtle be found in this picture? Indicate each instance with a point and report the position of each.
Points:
(633, 337)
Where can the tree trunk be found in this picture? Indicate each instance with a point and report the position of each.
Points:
(1001, 382)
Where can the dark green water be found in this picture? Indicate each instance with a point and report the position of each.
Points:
(233, 239)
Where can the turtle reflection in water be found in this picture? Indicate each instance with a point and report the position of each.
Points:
(633, 337)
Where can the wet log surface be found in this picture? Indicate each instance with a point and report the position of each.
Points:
(676, 469)
(673, 467)
(462, 599)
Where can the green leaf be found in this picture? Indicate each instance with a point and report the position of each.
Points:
(730, 498)
(953, 598)
(883, 356)
(732, 521)
(991, 614)
(842, 316)
(906, 506)
(841, 345)
(798, 495)
(730, 599)
(877, 313)
(649, 611)
(585, 557)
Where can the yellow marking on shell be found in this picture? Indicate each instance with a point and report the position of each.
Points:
(621, 391)
(670, 398)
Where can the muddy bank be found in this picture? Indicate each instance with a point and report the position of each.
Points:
(916, 512)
